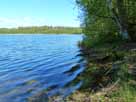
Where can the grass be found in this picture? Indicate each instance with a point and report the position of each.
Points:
(126, 93)
(108, 76)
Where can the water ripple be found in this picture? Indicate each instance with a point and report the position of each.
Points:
(35, 64)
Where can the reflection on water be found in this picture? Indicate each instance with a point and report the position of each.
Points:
(32, 65)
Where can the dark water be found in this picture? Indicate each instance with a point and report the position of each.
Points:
(35, 64)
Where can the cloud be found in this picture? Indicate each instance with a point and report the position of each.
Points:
(17, 22)
(29, 21)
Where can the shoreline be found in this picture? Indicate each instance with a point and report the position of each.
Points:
(109, 76)
(41, 30)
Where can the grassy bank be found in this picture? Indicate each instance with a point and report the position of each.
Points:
(110, 75)
(41, 30)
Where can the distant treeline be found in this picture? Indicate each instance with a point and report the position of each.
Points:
(41, 30)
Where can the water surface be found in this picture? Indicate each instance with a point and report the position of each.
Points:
(35, 64)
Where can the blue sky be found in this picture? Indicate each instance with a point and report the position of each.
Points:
(14, 13)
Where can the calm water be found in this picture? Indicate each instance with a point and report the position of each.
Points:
(35, 64)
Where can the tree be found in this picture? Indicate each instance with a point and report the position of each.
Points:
(109, 16)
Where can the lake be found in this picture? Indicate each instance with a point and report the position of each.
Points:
(36, 65)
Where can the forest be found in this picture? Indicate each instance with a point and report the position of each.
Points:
(113, 19)
(41, 30)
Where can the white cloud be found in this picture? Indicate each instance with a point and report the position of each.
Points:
(28, 21)
(16, 22)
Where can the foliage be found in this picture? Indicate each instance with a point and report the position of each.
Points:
(110, 71)
(107, 21)
(42, 29)
(108, 77)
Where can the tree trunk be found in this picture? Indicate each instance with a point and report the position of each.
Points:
(123, 18)
(120, 17)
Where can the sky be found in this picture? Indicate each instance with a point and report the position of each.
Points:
(16, 13)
